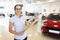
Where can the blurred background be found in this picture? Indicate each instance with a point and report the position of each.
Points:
(31, 8)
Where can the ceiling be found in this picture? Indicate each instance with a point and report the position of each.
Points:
(32, 0)
(39, 0)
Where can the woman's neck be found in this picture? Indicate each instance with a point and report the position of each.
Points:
(19, 16)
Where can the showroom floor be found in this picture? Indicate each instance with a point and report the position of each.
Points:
(33, 35)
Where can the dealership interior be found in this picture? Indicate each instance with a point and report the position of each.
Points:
(47, 25)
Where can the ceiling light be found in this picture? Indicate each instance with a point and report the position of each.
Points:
(39, 2)
(50, 0)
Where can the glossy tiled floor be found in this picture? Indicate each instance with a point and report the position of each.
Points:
(33, 35)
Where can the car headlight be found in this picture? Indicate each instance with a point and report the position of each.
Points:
(55, 25)
(54, 21)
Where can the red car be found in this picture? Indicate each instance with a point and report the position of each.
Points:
(52, 25)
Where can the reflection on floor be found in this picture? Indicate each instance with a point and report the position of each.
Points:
(33, 34)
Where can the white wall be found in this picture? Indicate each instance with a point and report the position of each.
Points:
(50, 7)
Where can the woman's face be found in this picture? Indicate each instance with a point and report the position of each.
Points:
(18, 10)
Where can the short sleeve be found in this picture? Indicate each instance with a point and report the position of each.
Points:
(24, 18)
(11, 20)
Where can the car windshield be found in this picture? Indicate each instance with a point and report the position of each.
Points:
(54, 17)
